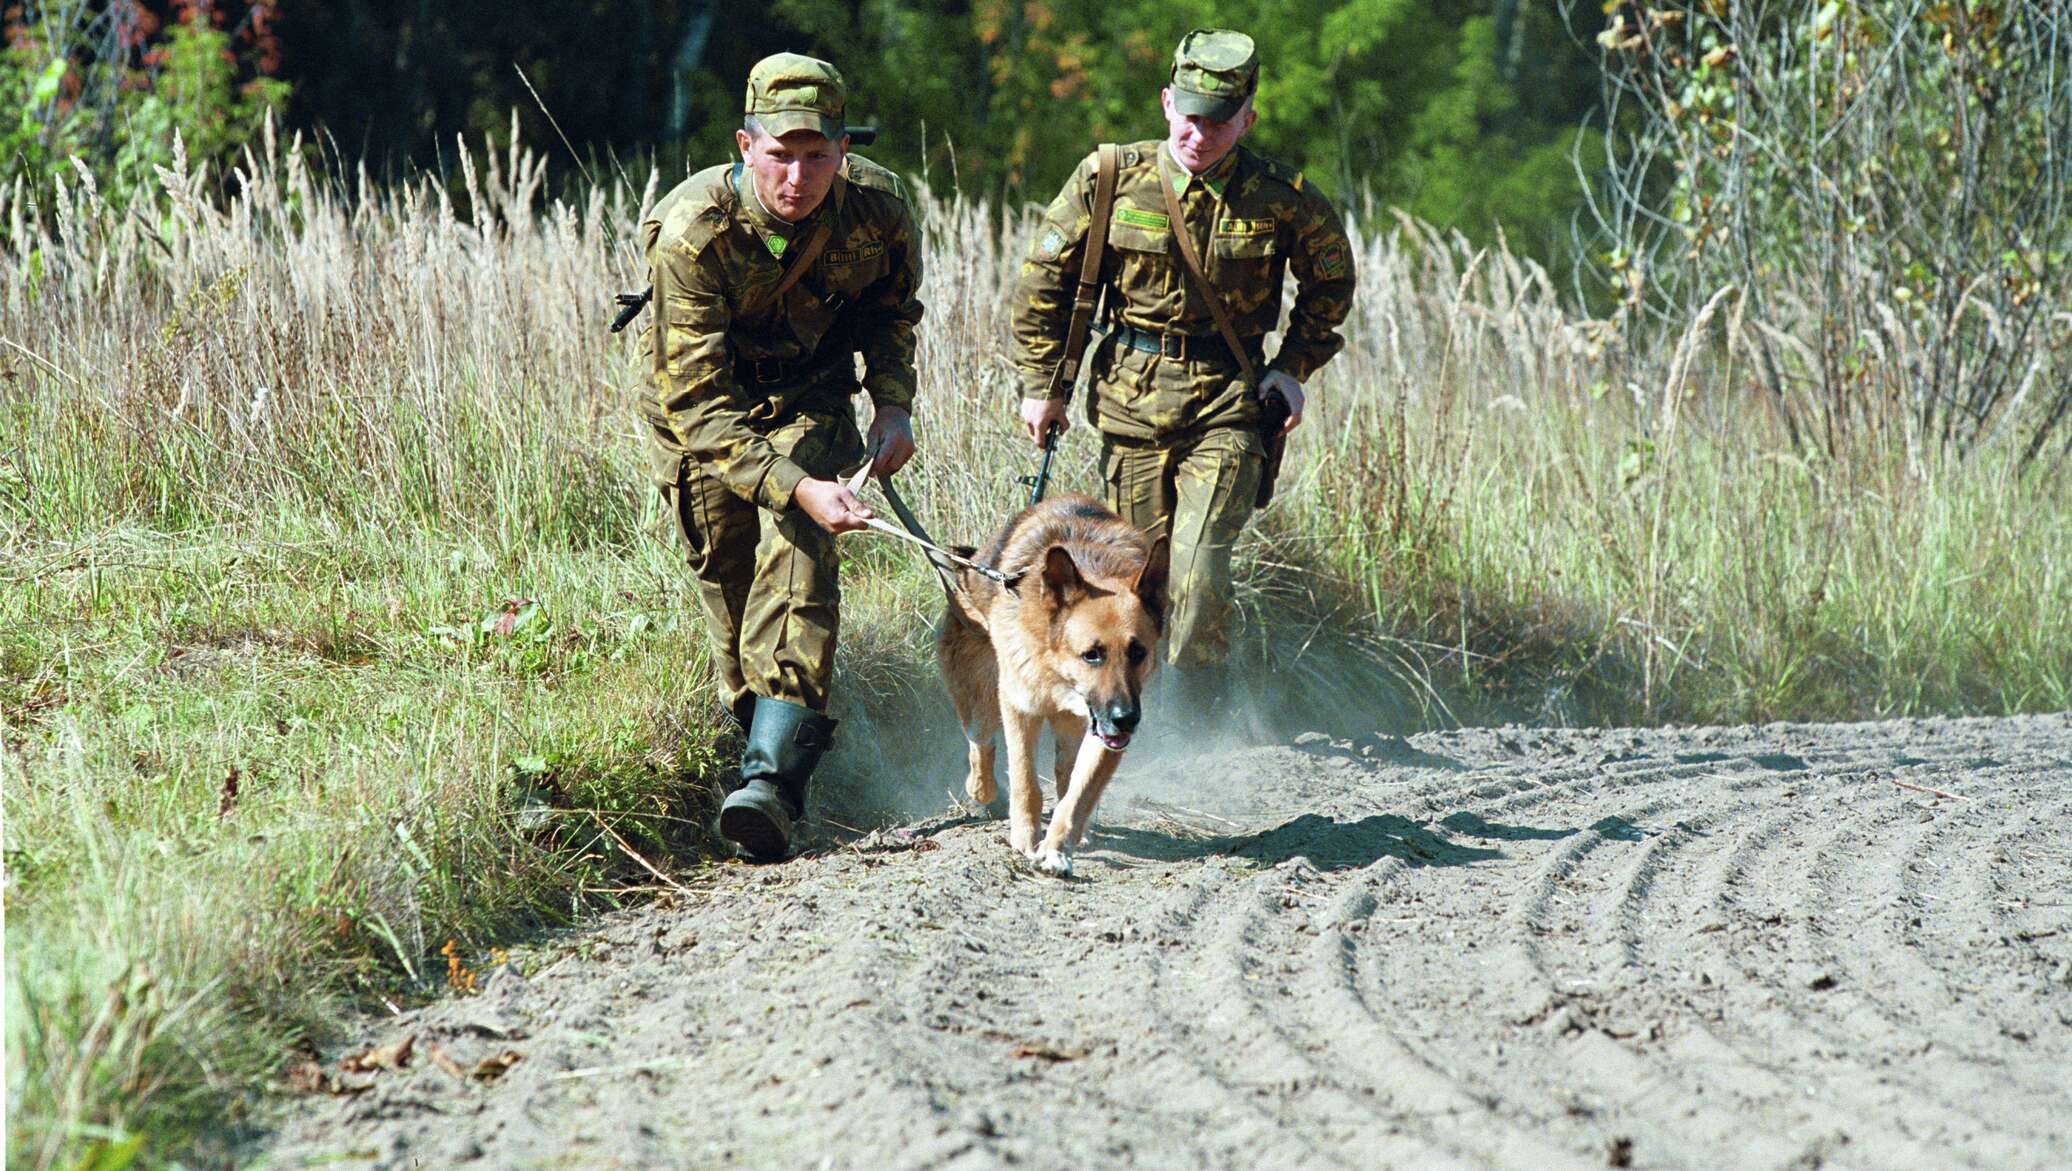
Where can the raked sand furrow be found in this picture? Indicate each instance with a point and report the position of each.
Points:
(1695, 947)
(1370, 1039)
(1781, 999)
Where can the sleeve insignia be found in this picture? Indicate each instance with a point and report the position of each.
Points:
(1331, 263)
(1052, 243)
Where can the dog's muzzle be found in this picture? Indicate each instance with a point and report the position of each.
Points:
(1115, 721)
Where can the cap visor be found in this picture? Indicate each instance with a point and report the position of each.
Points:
(1211, 106)
(779, 123)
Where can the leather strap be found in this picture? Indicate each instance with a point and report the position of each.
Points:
(1192, 257)
(1107, 163)
(803, 259)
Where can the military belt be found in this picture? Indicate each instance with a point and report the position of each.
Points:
(1185, 347)
(779, 372)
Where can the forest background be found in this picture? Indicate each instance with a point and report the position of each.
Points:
(1462, 112)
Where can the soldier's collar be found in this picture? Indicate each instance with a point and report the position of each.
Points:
(768, 224)
(1216, 178)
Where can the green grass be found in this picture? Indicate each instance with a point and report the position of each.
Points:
(251, 780)
(1495, 512)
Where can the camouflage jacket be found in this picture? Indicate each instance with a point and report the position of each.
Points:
(729, 371)
(1252, 220)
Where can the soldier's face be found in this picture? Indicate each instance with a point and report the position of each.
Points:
(1198, 142)
(792, 173)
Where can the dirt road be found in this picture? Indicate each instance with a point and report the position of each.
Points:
(1747, 947)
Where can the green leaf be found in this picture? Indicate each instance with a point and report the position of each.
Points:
(111, 1156)
(47, 85)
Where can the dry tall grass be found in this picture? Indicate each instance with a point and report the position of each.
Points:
(267, 460)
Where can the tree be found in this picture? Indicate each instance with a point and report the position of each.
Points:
(114, 85)
(1886, 182)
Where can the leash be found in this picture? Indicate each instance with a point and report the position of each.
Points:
(909, 528)
(1041, 480)
(937, 555)
(944, 561)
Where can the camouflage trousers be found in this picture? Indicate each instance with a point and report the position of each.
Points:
(1196, 489)
(767, 581)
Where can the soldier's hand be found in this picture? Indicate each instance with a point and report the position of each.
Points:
(832, 506)
(1291, 390)
(892, 437)
(1041, 414)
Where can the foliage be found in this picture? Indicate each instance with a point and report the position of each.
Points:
(1459, 110)
(119, 91)
(1886, 185)
(1455, 111)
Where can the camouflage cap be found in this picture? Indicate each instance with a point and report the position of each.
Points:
(790, 91)
(1214, 71)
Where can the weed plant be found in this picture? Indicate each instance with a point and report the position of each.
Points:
(338, 620)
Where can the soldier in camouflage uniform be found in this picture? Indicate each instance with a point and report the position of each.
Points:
(1181, 453)
(749, 412)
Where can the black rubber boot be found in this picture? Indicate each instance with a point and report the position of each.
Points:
(785, 742)
(730, 735)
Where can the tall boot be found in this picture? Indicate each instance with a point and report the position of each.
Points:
(730, 735)
(785, 742)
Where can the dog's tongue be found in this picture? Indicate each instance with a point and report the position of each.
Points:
(1115, 743)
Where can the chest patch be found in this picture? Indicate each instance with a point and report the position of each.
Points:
(852, 255)
(1154, 221)
(1243, 227)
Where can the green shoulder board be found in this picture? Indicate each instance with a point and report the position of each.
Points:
(865, 173)
(1282, 171)
(696, 211)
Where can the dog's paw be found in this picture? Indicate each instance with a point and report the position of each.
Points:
(981, 789)
(1054, 862)
(1022, 843)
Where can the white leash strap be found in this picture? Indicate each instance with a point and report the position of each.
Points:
(942, 559)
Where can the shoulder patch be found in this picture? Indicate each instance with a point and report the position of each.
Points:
(1331, 261)
(865, 173)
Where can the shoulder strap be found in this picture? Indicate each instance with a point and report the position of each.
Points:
(802, 260)
(1192, 257)
(1106, 163)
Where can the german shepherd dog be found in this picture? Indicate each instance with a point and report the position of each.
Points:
(1069, 640)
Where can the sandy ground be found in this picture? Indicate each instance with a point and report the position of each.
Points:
(1711, 947)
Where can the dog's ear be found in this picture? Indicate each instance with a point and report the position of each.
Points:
(1061, 578)
(1150, 586)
